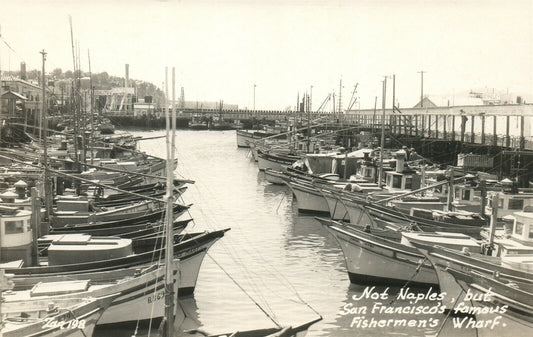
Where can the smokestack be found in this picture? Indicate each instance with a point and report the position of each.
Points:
(127, 76)
(400, 160)
(23, 70)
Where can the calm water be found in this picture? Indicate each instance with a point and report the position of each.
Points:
(287, 263)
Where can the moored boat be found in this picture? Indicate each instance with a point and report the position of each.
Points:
(275, 161)
(372, 259)
(74, 317)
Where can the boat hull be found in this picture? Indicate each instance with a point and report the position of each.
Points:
(274, 177)
(372, 260)
(309, 199)
(140, 300)
(337, 210)
(75, 321)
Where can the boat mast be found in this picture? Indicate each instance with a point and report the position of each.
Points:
(91, 110)
(308, 105)
(1, 92)
(169, 254)
(75, 89)
(44, 126)
(380, 177)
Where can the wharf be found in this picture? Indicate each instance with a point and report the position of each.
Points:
(500, 136)
(509, 125)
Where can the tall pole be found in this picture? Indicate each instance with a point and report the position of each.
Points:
(340, 96)
(451, 190)
(422, 88)
(311, 99)
(254, 95)
(44, 126)
(393, 92)
(374, 115)
(169, 253)
(380, 177)
(309, 122)
(393, 98)
(1, 91)
(92, 104)
(75, 104)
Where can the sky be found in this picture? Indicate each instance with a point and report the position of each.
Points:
(220, 49)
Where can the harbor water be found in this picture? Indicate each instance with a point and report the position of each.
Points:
(274, 266)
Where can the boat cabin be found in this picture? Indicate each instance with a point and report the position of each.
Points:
(15, 235)
(401, 179)
(523, 227)
(511, 201)
(81, 248)
(520, 241)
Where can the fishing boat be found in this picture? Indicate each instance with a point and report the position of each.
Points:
(136, 287)
(245, 137)
(80, 256)
(372, 259)
(149, 218)
(106, 127)
(274, 160)
(378, 214)
(127, 230)
(308, 198)
(74, 317)
(16, 234)
(507, 259)
(198, 122)
(76, 210)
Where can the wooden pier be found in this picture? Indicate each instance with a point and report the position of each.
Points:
(509, 126)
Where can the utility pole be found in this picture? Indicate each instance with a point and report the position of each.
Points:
(374, 115)
(393, 92)
(422, 88)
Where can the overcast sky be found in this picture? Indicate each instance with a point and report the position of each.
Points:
(222, 48)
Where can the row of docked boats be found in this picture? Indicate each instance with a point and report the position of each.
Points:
(67, 256)
(402, 223)
(107, 246)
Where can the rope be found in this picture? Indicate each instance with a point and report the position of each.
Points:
(73, 315)
(412, 277)
(282, 197)
(244, 291)
(449, 312)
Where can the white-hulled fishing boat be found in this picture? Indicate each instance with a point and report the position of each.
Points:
(510, 258)
(273, 160)
(71, 317)
(372, 259)
(308, 198)
(245, 137)
(137, 287)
